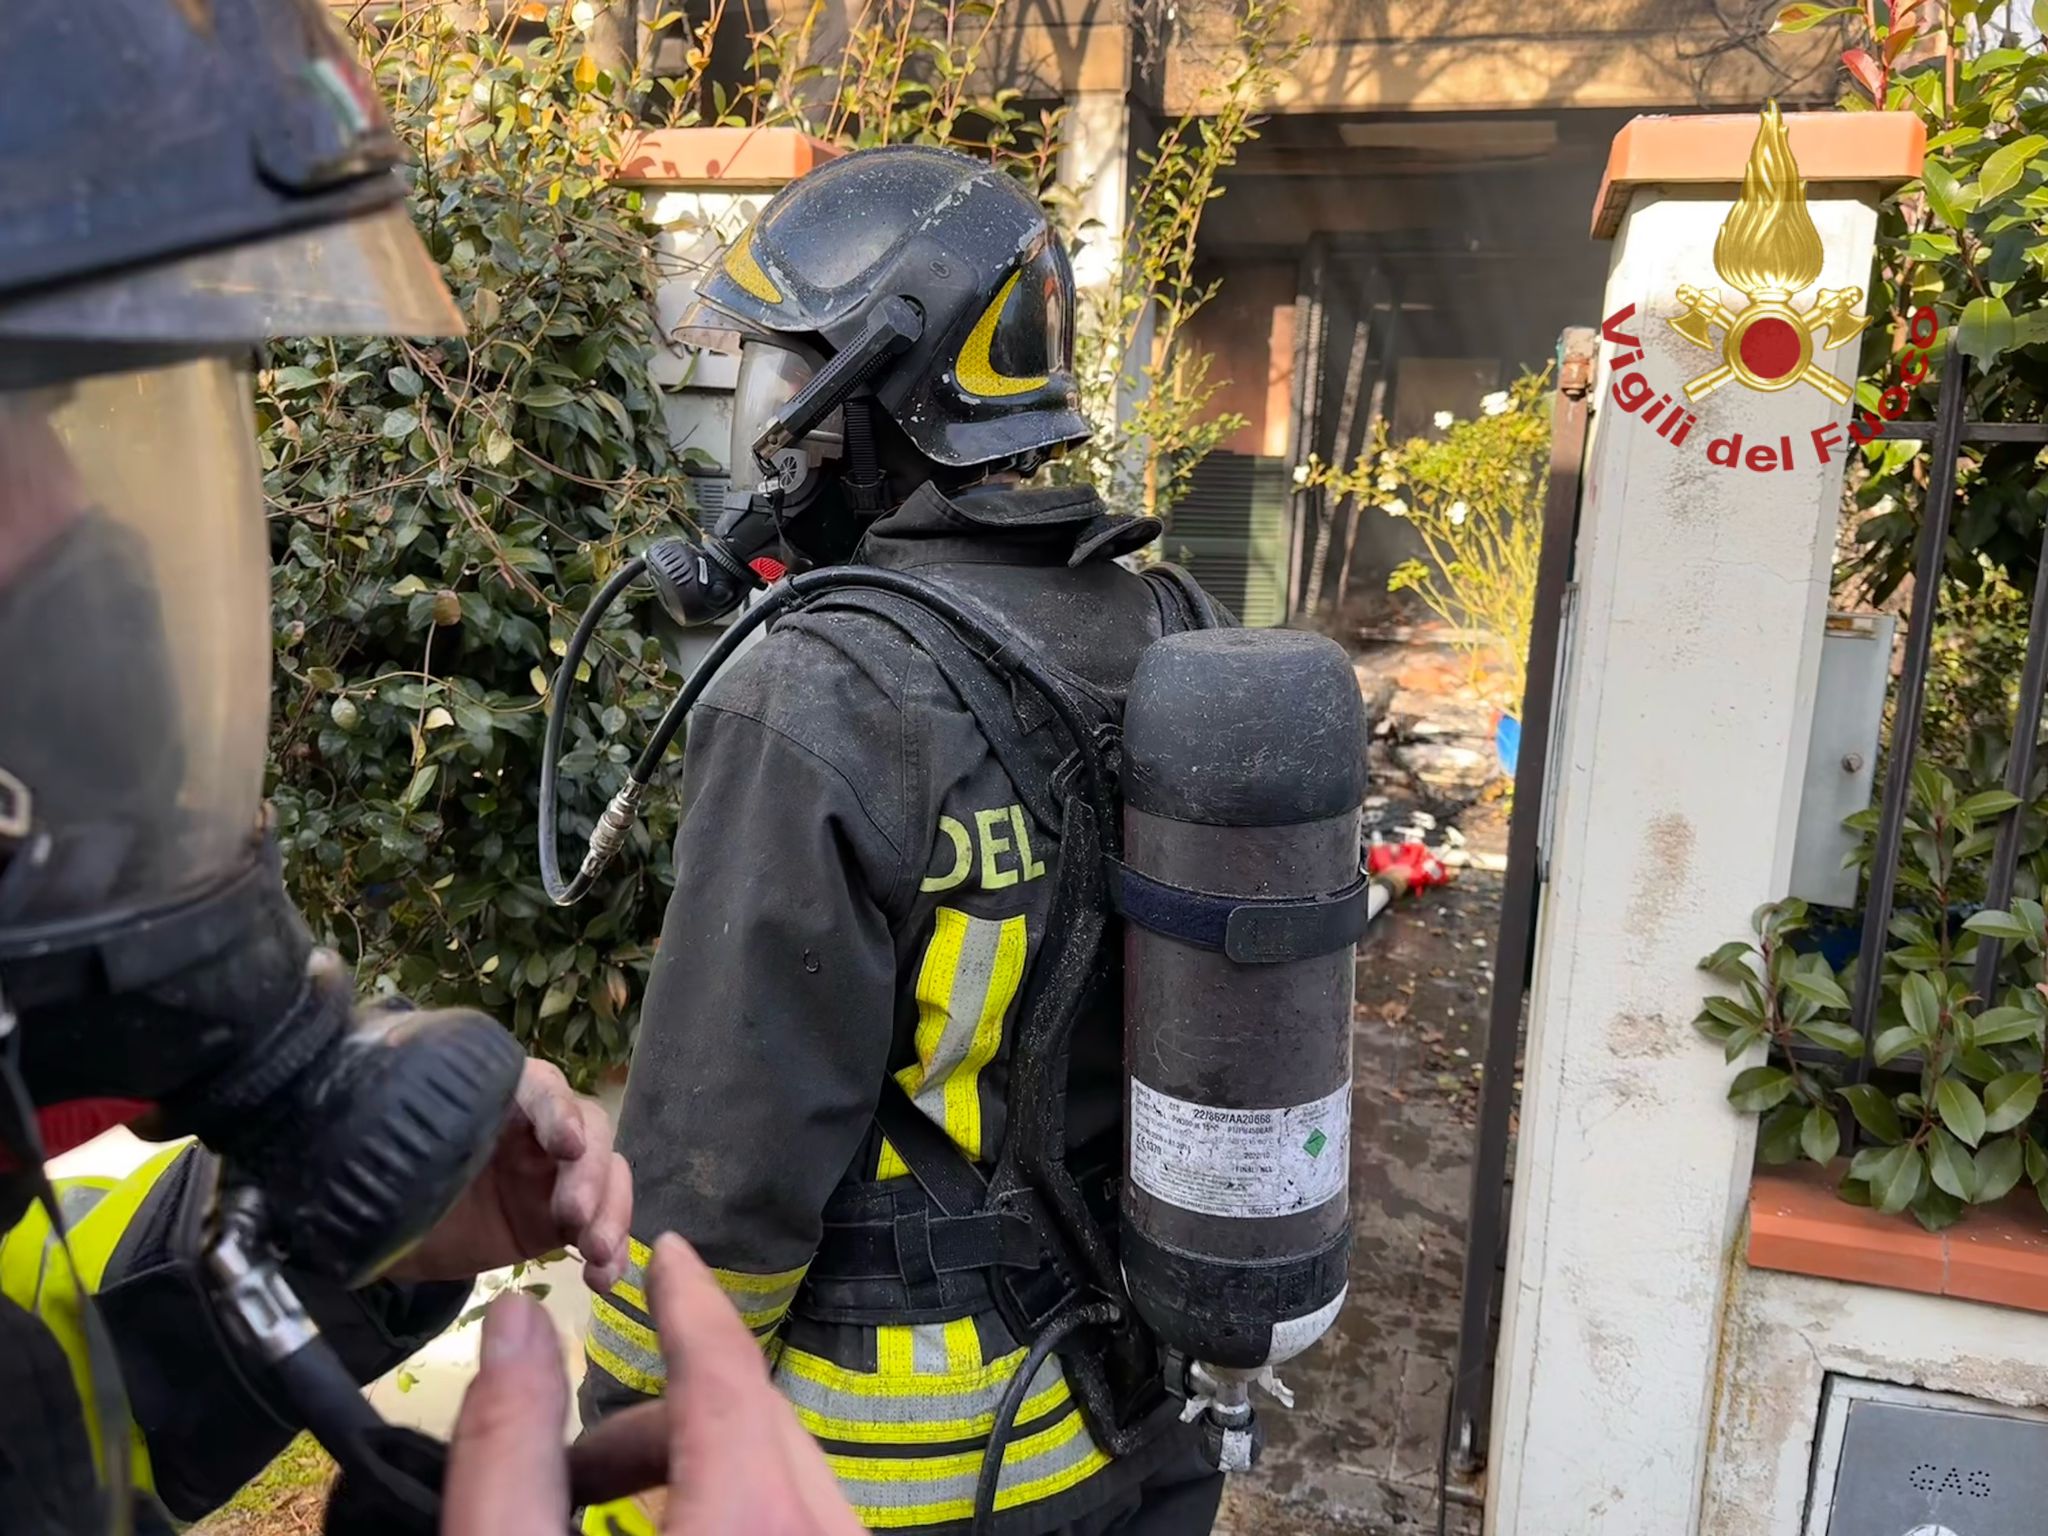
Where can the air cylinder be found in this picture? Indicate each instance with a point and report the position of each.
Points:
(1243, 775)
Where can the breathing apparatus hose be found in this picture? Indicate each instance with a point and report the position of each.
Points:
(1050, 1337)
(789, 593)
(563, 894)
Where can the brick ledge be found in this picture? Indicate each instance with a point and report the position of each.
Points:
(1996, 1254)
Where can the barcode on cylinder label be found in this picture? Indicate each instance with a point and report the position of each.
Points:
(1240, 1162)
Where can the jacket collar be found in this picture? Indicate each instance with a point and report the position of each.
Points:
(1041, 525)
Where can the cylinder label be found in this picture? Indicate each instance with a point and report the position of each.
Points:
(1240, 1162)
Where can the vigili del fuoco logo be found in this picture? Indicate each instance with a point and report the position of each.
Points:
(1769, 252)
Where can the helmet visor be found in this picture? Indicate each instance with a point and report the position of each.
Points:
(134, 642)
(770, 374)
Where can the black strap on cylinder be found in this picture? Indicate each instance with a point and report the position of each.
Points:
(1251, 930)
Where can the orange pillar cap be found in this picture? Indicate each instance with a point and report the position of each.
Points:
(721, 157)
(1881, 147)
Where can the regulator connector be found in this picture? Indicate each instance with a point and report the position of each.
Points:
(612, 827)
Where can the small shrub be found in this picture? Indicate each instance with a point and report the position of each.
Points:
(1475, 497)
(1949, 1112)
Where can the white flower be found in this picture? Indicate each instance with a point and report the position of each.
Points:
(1301, 474)
(1395, 508)
(1495, 403)
(583, 13)
(1457, 513)
(1444, 420)
(1387, 482)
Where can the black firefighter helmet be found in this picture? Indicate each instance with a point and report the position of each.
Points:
(989, 379)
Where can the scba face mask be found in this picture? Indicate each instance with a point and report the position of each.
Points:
(783, 507)
(150, 961)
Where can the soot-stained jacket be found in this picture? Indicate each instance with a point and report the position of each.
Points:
(859, 893)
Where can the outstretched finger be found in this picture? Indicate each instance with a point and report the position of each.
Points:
(717, 1389)
(603, 1240)
(553, 1109)
(507, 1474)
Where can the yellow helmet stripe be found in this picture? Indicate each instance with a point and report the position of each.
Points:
(744, 268)
(977, 370)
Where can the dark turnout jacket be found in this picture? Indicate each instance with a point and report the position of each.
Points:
(859, 893)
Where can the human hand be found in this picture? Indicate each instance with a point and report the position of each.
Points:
(734, 1458)
(553, 1180)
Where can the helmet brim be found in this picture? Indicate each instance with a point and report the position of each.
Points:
(364, 276)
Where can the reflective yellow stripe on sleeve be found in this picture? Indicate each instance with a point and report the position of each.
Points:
(965, 985)
(35, 1277)
(622, 1341)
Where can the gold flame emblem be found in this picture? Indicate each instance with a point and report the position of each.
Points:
(1770, 251)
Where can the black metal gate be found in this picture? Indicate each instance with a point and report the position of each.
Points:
(1487, 1223)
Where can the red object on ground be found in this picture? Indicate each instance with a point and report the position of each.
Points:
(1405, 866)
(767, 567)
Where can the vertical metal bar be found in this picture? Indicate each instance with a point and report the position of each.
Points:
(2019, 772)
(1906, 708)
(1310, 343)
(1485, 1226)
(1375, 408)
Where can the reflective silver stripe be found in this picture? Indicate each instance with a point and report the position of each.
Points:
(964, 1003)
(76, 1200)
(946, 1408)
(928, 1348)
(761, 1299)
(626, 1349)
(893, 1491)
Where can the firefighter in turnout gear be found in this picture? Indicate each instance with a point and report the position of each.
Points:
(868, 859)
(163, 1334)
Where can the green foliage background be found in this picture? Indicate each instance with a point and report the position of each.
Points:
(442, 510)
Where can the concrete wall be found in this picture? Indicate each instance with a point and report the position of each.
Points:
(1448, 55)
(1684, 731)
(1785, 1334)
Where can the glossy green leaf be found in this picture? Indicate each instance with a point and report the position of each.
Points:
(1873, 1111)
(1944, 196)
(1834, 1034)
(2000, 925)
(1986, 330)
(2002, 1026)
(1820, 1138)
(2008, 1100)
(1895, 1178)
(1777, 1138)
(1730, 960)
(1922, 1005)
(1950, 1164)
(1727, 1011)
(1960, 1109)
(2009, 162)
(1999, 1164)
(1821, 989)
(1759, 1088)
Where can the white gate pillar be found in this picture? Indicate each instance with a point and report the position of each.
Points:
(1685, 709)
